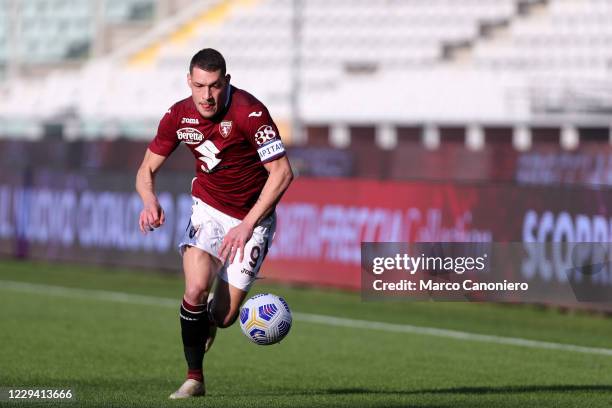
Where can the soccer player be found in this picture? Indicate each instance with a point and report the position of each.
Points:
(241, 174)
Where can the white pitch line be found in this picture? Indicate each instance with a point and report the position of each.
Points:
(454, 334)
(122, 297)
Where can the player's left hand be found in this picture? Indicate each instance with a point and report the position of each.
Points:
(234, 242)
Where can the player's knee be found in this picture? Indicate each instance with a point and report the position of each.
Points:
(196, 294)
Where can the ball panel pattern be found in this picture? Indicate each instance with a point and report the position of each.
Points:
(265, 319)
(268, 311)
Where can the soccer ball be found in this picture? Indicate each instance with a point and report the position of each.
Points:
(265, 319)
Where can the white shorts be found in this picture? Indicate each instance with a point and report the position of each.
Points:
(206, 230)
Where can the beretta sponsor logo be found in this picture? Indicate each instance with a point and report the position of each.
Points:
(189, 135)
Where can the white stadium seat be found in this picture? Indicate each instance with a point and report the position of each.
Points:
(350, 50)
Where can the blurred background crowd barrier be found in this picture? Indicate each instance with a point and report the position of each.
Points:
(405, 120)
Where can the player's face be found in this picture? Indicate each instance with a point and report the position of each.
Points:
(208, 90)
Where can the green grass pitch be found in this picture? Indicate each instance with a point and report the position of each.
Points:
(114, 352)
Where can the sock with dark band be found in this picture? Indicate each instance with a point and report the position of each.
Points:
(194, 331)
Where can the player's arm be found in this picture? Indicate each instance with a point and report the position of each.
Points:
(152, 214)
(280, 176)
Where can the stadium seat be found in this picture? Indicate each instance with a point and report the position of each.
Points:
(349, 50)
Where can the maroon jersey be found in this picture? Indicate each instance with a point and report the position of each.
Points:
(230, 149)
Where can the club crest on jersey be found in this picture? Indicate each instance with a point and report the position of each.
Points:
(225, 127)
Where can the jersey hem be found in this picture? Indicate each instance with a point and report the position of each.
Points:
(238, 216)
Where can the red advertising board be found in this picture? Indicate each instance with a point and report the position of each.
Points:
(92, 217)
(323, 222)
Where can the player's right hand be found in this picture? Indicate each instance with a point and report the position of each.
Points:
(152, 216)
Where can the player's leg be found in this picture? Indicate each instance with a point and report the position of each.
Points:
(226, 304)
(200, 269)
(237, 278)
(223, 307)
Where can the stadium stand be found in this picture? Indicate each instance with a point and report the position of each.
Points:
(433, 65)
(55, 31)
(571, 37)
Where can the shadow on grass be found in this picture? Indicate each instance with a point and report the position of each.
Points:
(508, 389)
(422, 398)
(153, 393)
(111, 385)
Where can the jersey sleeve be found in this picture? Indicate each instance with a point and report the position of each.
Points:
(263, 134)
(165, 140)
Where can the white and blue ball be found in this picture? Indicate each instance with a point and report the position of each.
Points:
(265, 319)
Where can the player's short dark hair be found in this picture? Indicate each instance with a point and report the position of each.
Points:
(209, 60)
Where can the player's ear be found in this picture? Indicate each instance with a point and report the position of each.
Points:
(189, 79)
